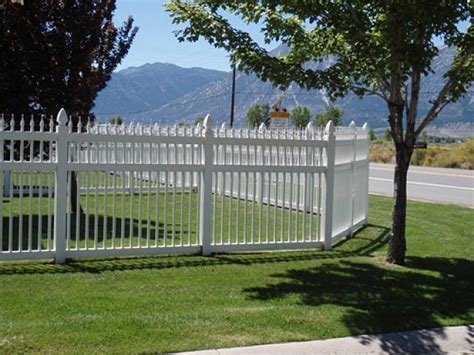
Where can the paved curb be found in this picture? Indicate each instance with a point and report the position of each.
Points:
(452, 340)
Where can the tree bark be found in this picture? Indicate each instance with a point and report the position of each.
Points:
(74, 195)
(397, 243)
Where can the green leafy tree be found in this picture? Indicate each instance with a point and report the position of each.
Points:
(372, 135)
(258, 114)
(199, 119)
(118, 120)
(332, 113)
(387, 136)
(300, 116)
(58, 54)
(381, 48)
(62, 52)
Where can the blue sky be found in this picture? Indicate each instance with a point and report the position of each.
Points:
(155, 41)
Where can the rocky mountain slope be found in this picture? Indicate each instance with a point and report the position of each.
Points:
(140, 89)
(166, 93)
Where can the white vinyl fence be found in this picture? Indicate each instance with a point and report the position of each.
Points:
(116, 190)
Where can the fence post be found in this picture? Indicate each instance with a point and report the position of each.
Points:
(308, 178)
(352, 127)
(2, 172)
(205, 208)
(60, 192)
(365, 127)
(259, 160)
(328, 192)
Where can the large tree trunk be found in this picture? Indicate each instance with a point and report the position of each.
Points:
(397, 243)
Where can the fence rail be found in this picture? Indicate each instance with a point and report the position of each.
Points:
(110, 190)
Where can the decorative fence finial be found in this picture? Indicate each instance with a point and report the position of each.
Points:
(62, 119)
(208, 122)
(329, 129)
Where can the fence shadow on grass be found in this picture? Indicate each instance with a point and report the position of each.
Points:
(40, 237)
(384, 299)
(366, 240)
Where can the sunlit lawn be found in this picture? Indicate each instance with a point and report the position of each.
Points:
(162, 304)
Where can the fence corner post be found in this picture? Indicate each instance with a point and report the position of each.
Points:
(60, 189)
(2, 179)
(365, 127)
(205, 208)
(328, 193)
(352, 127)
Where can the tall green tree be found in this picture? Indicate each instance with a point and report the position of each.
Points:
(258, 114)
(382, 48)
(331, 113)
(116, 120)
(372, 135)
(199, 119)
(58, 54)
(300, 116)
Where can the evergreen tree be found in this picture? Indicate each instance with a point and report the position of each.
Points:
(258, 114)
(300, 116)
(58, 54)
(117, 120)
(332, 113)
(372, 135)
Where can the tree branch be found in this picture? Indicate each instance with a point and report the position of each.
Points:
(370, 92)
(364, 37)
(412, 110)
(440, 101)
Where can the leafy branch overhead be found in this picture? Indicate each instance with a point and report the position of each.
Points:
(377, 47)
(366, 40)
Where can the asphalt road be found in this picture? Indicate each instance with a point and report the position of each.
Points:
(452, 186)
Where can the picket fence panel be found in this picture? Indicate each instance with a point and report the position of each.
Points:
(116, 190)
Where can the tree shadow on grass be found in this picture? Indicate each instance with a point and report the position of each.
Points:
(367, 240)
(384, 299)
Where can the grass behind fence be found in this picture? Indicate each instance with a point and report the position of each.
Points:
(149, 221)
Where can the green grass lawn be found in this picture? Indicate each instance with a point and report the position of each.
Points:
(154, 219)
(162, 304)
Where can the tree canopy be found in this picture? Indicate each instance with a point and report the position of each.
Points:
(258, 114)
(58, 54)
(300, 116)
(331, 113)
(116, 120)
(377, 47)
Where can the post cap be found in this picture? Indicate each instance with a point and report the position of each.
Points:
(329, 129)
(62, 118)
(208, 121)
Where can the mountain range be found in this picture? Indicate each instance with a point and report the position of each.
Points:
(167, 93)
